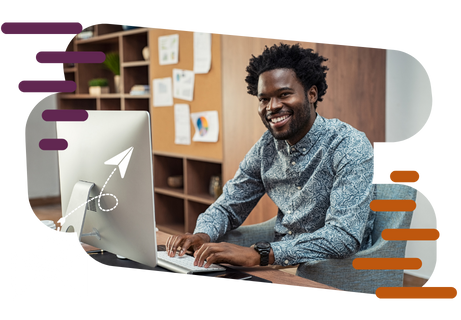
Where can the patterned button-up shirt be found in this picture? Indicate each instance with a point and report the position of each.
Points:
(322, 186)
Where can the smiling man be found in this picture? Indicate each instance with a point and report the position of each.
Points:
(317, 171)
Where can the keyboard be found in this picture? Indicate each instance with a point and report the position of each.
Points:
(184, 264)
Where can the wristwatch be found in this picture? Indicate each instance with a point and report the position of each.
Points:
(263, 248)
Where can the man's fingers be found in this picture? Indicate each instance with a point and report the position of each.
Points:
(185, 246)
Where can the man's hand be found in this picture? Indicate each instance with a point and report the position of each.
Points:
(184, 242)
(225, 252)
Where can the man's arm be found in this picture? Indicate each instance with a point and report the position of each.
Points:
(240, 196)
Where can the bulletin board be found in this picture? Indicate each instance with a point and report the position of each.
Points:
(207, 96)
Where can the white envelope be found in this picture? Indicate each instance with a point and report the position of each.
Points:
(49, 270)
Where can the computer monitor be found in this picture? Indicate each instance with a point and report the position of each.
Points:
(106, 183)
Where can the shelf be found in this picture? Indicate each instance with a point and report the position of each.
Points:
(174, 192)
(202, 198)
(104, 96)
(112, 36)
(69, 70)
(134, 64)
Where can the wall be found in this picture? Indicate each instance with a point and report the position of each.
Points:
(408, 105)
(42, 167)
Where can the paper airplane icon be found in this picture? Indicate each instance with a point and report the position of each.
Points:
(121, 160)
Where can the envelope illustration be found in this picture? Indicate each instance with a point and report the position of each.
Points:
(48, 270)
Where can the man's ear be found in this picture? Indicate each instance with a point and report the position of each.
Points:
(312, 94)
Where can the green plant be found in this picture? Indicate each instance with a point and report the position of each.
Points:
(99, 82)
(112, 62)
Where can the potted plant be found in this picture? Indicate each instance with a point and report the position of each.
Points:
(98, 86)
(112, 63)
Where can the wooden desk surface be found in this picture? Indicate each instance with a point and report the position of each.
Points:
(271, 273)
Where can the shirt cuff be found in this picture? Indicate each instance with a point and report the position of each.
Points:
(209, 231)
(280, 257)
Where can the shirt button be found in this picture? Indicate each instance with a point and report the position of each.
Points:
(299, 188)
(286, 261)
(288, 212)
(304, 149)
(289, 232)
(293, 149)
(293, 163)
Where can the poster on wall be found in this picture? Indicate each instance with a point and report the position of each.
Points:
(182, 124)
(168, 49)
(183, 84)
(206, 126)
(202, 52)
(162, 93)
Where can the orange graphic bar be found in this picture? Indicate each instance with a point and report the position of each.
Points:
(386, 263)
(392, 205)
(416, 292)
(410, 234)
(404, 176)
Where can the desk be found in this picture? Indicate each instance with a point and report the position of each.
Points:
(271, 273)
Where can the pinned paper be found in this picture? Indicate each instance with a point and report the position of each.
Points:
(163, 94)
(202, 52)
(181, 124)
(168, 49)
(183, 84)
(206, 126)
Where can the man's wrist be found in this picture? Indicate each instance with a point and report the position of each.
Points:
(205, 237)
(256, 260)
(271, 257)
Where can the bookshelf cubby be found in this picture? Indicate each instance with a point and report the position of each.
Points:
(193, 196)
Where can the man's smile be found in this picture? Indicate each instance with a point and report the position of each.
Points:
(278, 120)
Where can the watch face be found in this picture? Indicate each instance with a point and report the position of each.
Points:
(262, 245)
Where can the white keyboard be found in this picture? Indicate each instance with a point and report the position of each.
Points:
(184, 264)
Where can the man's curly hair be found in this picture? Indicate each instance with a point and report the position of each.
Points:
(306, 64)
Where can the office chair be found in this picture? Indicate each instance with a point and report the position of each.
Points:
(340, 273)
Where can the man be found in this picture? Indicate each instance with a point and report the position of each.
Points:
(317, 171)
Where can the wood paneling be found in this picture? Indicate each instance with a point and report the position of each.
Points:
(356, 88)
(242, 124)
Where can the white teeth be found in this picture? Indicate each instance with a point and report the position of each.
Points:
(275, 120)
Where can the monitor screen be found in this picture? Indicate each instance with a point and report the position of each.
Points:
(106, 182)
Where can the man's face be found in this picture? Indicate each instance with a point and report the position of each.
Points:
(284, 107)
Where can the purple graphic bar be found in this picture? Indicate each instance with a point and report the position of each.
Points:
(53, 144)
(47, 86)
(64, 115)
(71, 57)
(41, 28)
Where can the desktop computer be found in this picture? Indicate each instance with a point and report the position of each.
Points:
(106, 183)
(107, 192)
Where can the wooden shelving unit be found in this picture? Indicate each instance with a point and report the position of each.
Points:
(176, 209)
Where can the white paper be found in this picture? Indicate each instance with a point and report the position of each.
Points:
(183, 84)
(163, 94)
(202, 52)
(168, 49)
(206, 126)
(181, 124)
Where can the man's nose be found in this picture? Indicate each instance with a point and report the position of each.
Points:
(273, 104)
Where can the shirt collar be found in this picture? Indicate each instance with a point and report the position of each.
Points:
(303, 146)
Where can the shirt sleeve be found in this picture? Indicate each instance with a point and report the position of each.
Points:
(349, 214)
(240, 195)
